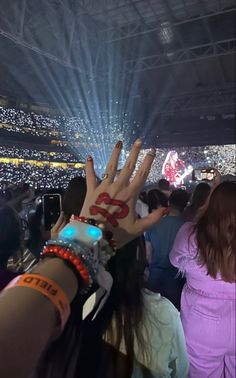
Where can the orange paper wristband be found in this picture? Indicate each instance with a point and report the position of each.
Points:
(48, 288)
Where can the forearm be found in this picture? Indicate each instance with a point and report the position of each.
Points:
(29, 321)
(58, 271)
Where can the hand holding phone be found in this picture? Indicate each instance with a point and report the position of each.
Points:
(204, 174)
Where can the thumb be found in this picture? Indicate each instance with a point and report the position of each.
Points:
(60, 221)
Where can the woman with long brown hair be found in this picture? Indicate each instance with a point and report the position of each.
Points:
(206, 253)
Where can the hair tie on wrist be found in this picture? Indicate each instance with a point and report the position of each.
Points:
(49, 289)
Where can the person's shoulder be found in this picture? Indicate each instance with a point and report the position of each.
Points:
(172, 221)
(180, 221)
(156, 227)
(163, 221)
(185, 242)
(160, 308)
(187, 227)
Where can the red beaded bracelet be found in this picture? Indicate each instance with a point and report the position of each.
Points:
(107, 234)
(85, 220)
(66, 254)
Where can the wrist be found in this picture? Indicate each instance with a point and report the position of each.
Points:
(105, 235)
(86, 239)
(83, 246)
(56, 270)
(78, 257)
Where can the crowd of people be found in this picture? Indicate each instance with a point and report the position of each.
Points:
(73, 135)
(16, 152)
(161, 303)
(37, 176)
(65, 127)
(66, 132)
(14, 171)
(30, 122)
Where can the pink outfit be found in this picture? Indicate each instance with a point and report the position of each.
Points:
(207, 313)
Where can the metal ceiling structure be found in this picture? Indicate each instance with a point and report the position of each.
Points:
(181, 52)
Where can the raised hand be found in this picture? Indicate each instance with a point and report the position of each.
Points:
(112, 203)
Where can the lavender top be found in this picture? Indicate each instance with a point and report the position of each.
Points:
(184, 256)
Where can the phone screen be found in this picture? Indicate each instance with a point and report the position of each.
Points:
(51, 209)
(207, 174)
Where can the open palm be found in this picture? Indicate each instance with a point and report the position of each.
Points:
(112, 203)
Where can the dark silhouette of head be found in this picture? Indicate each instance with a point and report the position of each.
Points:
(179, 199)
(163, 184)
(10, 234)
(156, 199)
(143, 197)
(200, 195)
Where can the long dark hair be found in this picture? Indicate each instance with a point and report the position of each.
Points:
(81, 350)
(10, 233)
(215, 233)
(199, 198)
(155, 199)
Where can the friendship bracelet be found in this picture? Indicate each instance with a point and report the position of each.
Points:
(86, 265)
(83, 247)
(67, 254)
(49, 289)
(86, 254)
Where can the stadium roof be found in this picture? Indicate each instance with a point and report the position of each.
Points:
(174, 59)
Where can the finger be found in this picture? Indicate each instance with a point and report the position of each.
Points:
(57, 228)
(130, 164)
(112, 165)
(63, 224)
(91, 179)
(59, 221)
(151, 219)
(58, 225)
(143, 172)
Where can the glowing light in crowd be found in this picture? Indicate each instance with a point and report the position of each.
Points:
(44, 168)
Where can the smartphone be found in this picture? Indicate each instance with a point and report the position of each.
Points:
(204, 174)
(51, 209)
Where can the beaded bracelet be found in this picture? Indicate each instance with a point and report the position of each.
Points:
(82, 258)
(68, 255)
